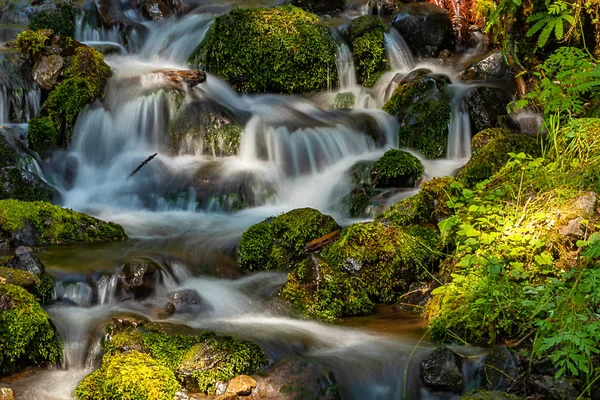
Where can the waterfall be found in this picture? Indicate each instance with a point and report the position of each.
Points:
(85, 33)
(459, 128)
(399, 55)
(345, 63)
(4, 105)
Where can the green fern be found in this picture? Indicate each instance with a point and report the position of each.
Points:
(549, 21)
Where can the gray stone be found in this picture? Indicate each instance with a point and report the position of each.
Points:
(25, 260)
(441, 370)
(47, 70)
(499, 369)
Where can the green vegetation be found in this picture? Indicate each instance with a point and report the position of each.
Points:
(344, 101)
(26, 334)
(41, 286)
(366, 37)
(61, 21)
(18, 184)
(422, 107)
(397, 168)
(278, 243)
(280, 49)
(184, 357)
(32, 42)
(51, 224)
(132, 375)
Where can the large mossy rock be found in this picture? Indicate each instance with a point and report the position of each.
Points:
(384, 257)
(280, 49)
(79, 80)
(198, 361)
(422, 107)
(318, 290)
(367, 41)
(320, 6)
(59, 16)
(279, 243)
(26, 270)
(397, 168)
(40, 223)
(19, 184)
(131, 375)
(26, 333)
(425, 27)
(491, 152)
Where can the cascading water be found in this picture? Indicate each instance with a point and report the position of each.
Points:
(399, 55)
(3, 105)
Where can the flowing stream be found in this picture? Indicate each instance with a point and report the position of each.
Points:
(293, 153)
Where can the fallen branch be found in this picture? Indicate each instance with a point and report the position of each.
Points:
(142, 165)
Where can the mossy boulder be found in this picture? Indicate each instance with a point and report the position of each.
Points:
(8, 155)
(41, 223)
(26, 270)
(494, 154)
(26, 333)
(422, 107)
(131, 375)
(385, 258)
(490, 395)
(60, 18)
(366, 36)
(320, 6)
(198, 361)
(19, 184)
(397, 168)
(426, 208)
(278, 243)
(279, 49)
(319, 291)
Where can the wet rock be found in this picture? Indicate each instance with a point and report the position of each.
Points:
(290, 380)
(321, 6)
(556, 388)
(487, 108)
(181, 79)
(242, 385)
(25, 260)
(187, 300)
(425, 27)
(417, 296)
(6, 394)
(499, 369)
(139, 277)
(441, 370)
(493, 68)
(161, 9)
(47, 70)
(19, 184)
(586, 204)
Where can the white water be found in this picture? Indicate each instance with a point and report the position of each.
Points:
(4, 106)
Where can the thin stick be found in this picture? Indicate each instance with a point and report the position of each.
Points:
(142, 165)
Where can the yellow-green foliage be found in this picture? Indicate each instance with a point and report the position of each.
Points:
(132, 376)
(26, 334)
(31, 42)
(187, 355)
(278, 243)
(325, 294)
(279, 49)
(423, 109)
(41, 286)
(367, 41)
(55, 225)
(397, 168)
(388, 258)
(61, 20)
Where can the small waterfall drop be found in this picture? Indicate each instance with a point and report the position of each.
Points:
(399, 55)
(4, 105)
(345, 64)
(459, 129)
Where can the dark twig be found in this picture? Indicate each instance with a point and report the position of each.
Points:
(142, 165)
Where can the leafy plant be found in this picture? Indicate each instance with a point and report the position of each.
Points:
(551, 20)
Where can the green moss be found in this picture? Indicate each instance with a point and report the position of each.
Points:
(31, 42)
(133, 376)
(490, 395)
(318, 291)
(55, 225)
(22, 185)
(42, 134)
(367, 41)
(61, 20)
(224, 139)
(8, 155)
(320, 5)
(423, 109)
(344, 101)
(277, 243)
(484, 137)
(279, 49)
(187, 355)
(397, 168)
(494, 155)
(385, 258)
(26, 334)
(88, 63)
(41, 286)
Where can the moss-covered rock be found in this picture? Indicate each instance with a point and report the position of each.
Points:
(131, 375)
(490, 395)
(320, 6)
(26, 334)
(40, 223)
(60, 19)
(198, 361)
(397, 168)
(422, 107)
(19, 184)
(366, 36)
(344, 101)
(41, 286)
(385, 258)
(279, 49)
(492, 156)
(319, 291)
(278, 243)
